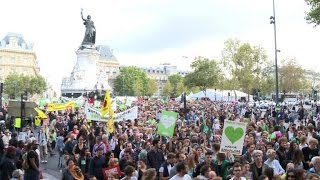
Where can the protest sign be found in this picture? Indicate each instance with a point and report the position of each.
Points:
(233, 137)
(167, 123)
(95, 115)
(111, 171)
(60, 106)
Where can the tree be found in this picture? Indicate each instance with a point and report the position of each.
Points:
(152, 87)
(267, 83)
(243, 65)
(132, 81)
(176, 82)
(313, 16)
(16, 84)
(205, 74)
(167, 89)
(292, 76)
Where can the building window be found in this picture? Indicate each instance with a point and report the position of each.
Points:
(154, 71)
(13, 60)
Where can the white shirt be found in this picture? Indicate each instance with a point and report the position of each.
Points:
(6, 140)
(185, 177)
(275, 165)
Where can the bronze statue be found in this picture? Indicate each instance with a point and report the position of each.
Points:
(90, 34)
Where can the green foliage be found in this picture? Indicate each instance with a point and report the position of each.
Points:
(132, 81)
(152, 87)
(243, 65)
(176, 83)
(206, 74)
(292, 77)
(16, 84)
(167, 89)
(313, 16)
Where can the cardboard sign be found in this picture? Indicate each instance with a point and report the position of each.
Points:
(113, 171)
(167, 123)
(233, 137)
(60, 106)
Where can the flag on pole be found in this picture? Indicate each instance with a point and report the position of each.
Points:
(110, 123)
(41, 114)
(106, 105)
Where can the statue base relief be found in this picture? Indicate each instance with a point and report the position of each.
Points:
(87, 45)
(83, 77)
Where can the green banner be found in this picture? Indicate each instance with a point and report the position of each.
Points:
(167, 123)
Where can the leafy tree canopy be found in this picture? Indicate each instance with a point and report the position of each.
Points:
(132, 81)
(206, 73)
(16, 84)
(313, 16)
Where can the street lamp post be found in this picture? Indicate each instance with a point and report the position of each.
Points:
(215, 94)
(273, 21)
(122, 85)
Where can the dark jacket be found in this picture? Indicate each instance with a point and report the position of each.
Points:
(283, 157)
(66, 175)
(255, 171)
(155, 159)
(199, 166)
(96, 165)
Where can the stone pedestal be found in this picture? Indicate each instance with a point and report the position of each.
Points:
(83, 76)
(89, 73)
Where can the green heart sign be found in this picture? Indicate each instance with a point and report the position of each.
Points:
(233, 134)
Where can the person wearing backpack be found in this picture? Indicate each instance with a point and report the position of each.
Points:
(31, 162)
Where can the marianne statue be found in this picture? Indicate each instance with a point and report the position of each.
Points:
(90, 34)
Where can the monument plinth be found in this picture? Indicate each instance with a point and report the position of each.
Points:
(84, 76)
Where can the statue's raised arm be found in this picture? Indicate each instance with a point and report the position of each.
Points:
(82, 15)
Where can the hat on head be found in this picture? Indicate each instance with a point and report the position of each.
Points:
(17, 173)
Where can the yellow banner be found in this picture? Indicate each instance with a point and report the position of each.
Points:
(60, 106)
(17, 123)
(41, 114)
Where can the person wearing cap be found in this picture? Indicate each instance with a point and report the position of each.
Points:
(6, 138)
(17, 174)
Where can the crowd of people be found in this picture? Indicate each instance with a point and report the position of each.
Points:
(280, 143)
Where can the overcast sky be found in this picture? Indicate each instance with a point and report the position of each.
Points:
(150, 32)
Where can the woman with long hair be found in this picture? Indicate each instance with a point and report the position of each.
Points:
(72, 171)
(80, 145)
(149, 174)
(119, 147)
(84, 160)
(298, 159)
(191, 165)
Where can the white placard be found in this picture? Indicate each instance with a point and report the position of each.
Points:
(233, 137)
